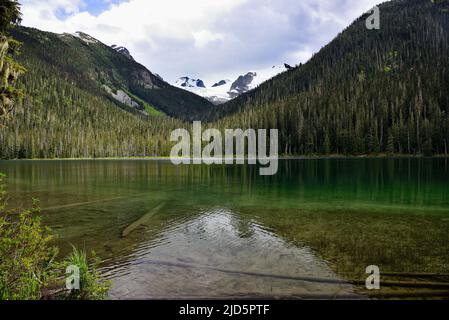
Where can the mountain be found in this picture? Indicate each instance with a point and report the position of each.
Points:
(217, 94)
(368, 91)
(186, 82)
(226, 90)
(242, 84)
(220, 83)
(123, 51)
(109, 71)
(86, 99)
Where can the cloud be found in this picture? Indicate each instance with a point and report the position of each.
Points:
(203, 38)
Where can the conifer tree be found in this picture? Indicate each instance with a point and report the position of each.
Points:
(10, 70)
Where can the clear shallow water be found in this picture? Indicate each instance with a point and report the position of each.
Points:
(223, 229)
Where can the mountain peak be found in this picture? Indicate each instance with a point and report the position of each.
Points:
(242, 84)
(186, 82)
(123, 51)
(221, 83)
(225, 90)
(84, 37)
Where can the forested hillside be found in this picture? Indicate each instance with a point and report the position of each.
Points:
(59, 120)
(368, 91)
(84, 99)
(99, 69)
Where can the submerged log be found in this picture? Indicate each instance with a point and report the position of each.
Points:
(421, 294)
(402, 284)
(415, 275)
(244, 273)
(416, 284)
(81, 204)
(142, 221)
(407, 294)
(281, 297)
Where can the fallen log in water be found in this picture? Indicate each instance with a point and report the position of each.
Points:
(260, 297)
(410, 284)
(80, 204)
(330, 296)
(415, 275)
(314, 296)
(143, 220)
(402, 284)
(407, 294)
(245, 273)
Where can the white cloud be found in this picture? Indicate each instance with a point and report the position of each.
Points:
(203, 38)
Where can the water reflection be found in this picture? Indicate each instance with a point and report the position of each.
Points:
(218, 254)
(402, 182)
(319, 218)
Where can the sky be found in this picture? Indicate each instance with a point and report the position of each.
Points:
(207, 39)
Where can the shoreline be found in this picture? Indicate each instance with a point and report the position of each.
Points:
(311, 157)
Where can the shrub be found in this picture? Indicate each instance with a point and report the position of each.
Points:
(27, 260)
(28, 265)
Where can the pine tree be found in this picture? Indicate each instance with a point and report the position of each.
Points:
(390, 144)
(10, 70)
(327, 144)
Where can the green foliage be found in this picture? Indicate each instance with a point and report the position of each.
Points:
(27, 258)
(9, 13)
(92, 287)
(390, 144)
(151, 110)
(28, 265)
(327, 145)
(10, 70)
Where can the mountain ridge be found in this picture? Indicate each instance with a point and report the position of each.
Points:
(95, 65)
(367, 91)
(83, 99)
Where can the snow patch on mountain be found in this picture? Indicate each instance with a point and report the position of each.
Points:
(87, 39)
(217, 94)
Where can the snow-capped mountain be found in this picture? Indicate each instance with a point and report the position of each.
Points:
(217, 94)
(123, 51)
(186, 82)
(87, 39)
(225, 90)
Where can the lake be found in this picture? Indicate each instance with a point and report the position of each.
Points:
(168, 231)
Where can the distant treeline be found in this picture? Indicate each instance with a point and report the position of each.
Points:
(368, 91)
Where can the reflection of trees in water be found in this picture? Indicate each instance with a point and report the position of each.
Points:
(349, 211)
